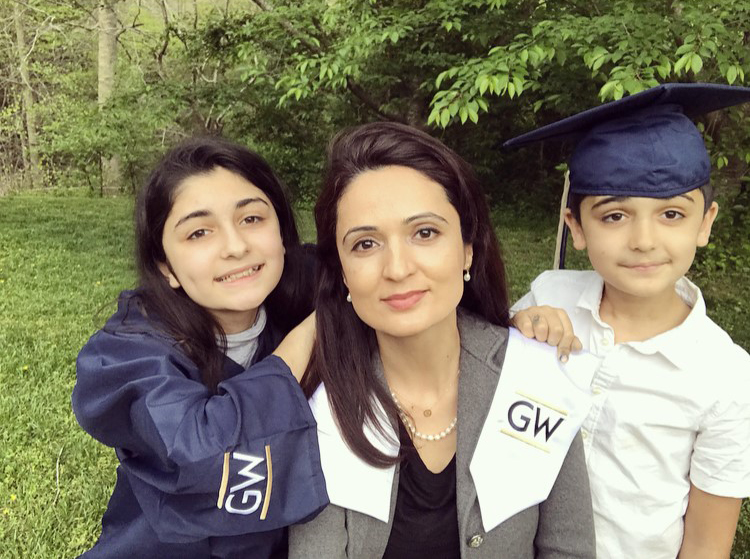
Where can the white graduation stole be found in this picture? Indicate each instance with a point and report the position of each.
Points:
(538, 408)
(351, 482)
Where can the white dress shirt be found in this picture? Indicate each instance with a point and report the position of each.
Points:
(667, 411)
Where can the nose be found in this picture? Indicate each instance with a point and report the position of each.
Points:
(398, 262)
(234, 244)
(642, 235)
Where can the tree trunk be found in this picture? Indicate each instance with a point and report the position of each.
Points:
(32, 165)
(107, 63)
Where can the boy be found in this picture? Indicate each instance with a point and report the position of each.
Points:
(667, 439)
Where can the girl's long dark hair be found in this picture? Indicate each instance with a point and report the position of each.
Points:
(344, 349)
(171, 310)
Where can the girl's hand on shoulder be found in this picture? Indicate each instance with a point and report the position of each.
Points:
(551, 325)
(295, 349)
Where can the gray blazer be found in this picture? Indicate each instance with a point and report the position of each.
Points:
(560, 527)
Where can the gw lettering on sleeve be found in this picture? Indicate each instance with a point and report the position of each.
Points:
(243, 497)
(533, 421)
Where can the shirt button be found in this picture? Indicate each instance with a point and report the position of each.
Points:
(597, 391)
(475, 541)
(584, 434)
(605, 341)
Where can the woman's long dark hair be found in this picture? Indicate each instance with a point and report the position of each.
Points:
(171, 310)
(342, 358)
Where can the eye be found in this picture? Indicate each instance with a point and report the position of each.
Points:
(672, 215)
(613, 217)
(250, 219)
(364, 245)
(426, 233)
(197, 234)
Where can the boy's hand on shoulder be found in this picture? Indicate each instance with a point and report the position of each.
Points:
(548, 324)
(295, 349)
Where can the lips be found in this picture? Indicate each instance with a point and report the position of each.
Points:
(239, 274)
(403, 301)
(645, 266)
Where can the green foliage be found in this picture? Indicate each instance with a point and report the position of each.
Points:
(725, 263)
(621, 46)
(741, 549)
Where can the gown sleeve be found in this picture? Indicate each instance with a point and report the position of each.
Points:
(200, 464)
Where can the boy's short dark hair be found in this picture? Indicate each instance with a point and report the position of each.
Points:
(574, 200)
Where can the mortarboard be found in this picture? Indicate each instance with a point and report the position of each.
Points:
(641, 145)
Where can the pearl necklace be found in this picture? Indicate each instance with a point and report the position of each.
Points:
(413, 429)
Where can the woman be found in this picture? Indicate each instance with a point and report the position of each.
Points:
(217, 446)
(428, 450)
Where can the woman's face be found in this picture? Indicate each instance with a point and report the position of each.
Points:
(401, 251)
(223, 246)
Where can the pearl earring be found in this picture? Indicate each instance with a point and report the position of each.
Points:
(467, 275)
(348, 297)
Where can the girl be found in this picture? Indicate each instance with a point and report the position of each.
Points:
(442, 435)
(217, 446)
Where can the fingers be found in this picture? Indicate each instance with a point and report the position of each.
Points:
(534, 322)
(550, 325)
(567, 336)
(526, 321)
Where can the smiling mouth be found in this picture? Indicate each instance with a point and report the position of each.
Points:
(239, 275)
(403, 301)
(645, 266)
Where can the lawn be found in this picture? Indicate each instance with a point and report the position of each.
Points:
(63, 260)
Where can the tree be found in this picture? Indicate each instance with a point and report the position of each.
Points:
(106, 67)
(31, 160)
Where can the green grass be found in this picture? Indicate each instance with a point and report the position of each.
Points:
(63, 260)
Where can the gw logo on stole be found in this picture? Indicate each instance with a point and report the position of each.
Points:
(533, 421)
(246, 497)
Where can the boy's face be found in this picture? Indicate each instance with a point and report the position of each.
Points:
(642, 246)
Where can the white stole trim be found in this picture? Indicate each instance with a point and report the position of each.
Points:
(538, 408)
(351, 482)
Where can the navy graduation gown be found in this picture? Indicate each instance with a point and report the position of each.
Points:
(200, 475)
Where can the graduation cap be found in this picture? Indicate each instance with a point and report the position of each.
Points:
(641, 145)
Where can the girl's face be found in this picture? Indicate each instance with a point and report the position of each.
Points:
(401, 251)
(223, 246)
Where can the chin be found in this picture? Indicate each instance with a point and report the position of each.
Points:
(404, 326)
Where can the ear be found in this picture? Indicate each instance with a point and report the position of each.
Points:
(468, 255)
(576, 231)
(704, 233)
(166, 271)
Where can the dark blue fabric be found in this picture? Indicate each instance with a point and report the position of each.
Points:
(641, 145)
(136, 391)
(656, 152)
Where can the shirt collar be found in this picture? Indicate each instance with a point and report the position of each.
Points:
(680, 344)
(591, 297)
(675, 344)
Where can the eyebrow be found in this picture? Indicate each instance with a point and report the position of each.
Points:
(408, 220)
(611, 199)
(203, 213)
(424, 215)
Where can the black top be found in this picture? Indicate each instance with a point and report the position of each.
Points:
(425, 522)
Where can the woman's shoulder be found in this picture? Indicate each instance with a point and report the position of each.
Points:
(484, 340)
